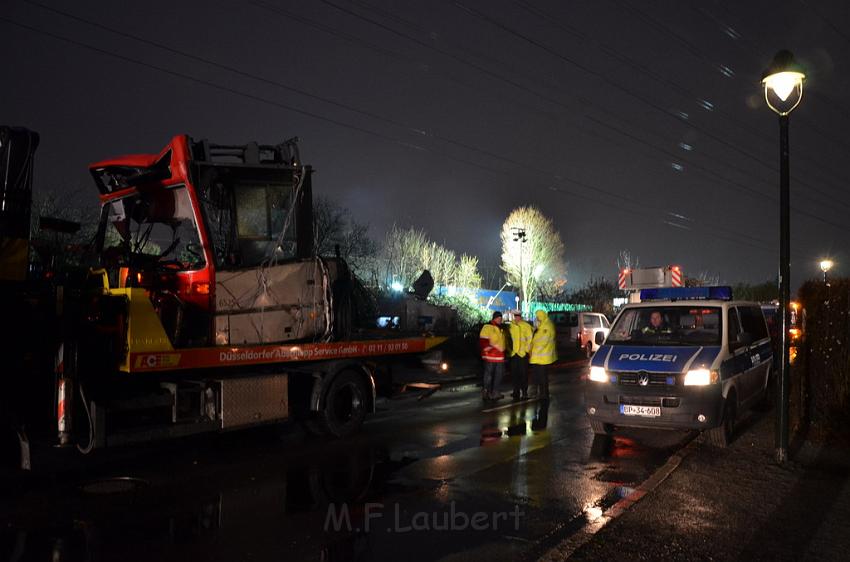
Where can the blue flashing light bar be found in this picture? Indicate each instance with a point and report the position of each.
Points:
(686, 293)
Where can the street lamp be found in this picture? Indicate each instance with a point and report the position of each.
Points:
(520, 236)
(825, 266)
(783, 90)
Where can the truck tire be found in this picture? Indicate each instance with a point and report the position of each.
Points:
(601, 428)
(345, 406)
(588, 350)
(721, 436)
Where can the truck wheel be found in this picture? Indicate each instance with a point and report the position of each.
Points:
(601, 428)
(345, 405)
(721, 436)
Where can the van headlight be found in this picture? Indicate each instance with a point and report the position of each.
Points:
(598, 374)
(701, 377)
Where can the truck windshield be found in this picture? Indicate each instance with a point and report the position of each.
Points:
(668, 325)
(153, 226)
(249, 214)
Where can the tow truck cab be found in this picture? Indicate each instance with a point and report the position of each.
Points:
(683, 358)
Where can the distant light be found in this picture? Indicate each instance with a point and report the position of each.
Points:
(707, 105)
(726, 71)
(732, 33)
(826, 265)
(686, 146)
(677, 167)
(397, 287)
(444, 366)
(682, 115)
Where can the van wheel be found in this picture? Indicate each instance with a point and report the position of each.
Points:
(721, 436)
(345, 407)
(588, 350)
(601, 428)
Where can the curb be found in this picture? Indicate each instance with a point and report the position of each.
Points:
(575, 541)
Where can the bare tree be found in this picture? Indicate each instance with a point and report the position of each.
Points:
(627, 260)
(598, 293)
(466, 273)
(532, 251)
(333, 227)
(702, 279)
(407, 252)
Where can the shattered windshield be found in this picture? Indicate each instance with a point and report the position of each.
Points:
(668, 325)
(155, 226)
(249, 214)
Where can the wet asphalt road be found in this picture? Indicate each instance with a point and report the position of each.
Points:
(440, 478)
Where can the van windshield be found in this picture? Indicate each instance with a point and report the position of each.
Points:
(668, 325)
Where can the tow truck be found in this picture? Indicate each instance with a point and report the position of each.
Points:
(205, 307)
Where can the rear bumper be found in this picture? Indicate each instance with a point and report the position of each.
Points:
(681, 408)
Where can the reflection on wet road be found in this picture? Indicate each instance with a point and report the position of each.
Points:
(426, 480)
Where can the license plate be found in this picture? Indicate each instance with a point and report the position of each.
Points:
(647, 411)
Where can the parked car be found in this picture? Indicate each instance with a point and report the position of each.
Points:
(579, 329)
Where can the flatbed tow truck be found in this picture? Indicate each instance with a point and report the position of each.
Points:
(205, 307)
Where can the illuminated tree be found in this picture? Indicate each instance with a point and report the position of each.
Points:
(532, 251)
(407, 252)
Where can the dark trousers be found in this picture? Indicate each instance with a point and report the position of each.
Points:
(540, 380)
(519, 375)
(493, 373)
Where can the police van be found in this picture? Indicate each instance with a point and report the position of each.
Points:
(682, 358)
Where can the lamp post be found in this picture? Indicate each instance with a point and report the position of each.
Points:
(825, 266)
(783, 90)
(520, 236)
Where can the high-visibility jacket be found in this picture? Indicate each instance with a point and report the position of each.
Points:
(543, 350)
(491, 340)
(520, 331)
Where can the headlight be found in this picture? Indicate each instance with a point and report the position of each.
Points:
(598, 374)
(700, 377)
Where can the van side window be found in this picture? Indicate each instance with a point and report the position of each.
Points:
(734, 329)
(752, 322)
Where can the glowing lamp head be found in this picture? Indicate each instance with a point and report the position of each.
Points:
(783, 83)
(397, 287)
(826, 265)
(782, 78)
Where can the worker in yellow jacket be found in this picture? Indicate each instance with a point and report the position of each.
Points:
(521, 334)
(543, 354)
(492, 343)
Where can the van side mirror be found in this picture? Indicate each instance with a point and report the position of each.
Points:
(744, 339)
(599, 338)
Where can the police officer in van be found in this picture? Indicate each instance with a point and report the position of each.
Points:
(657, 325)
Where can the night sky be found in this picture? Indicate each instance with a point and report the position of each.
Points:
(634, 125)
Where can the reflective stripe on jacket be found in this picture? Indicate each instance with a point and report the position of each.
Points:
(543, 343)
(520, 337)
(492, 343)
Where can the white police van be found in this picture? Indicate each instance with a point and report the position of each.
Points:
(682, 358)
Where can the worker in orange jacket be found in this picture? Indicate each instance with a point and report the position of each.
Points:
(491, 340)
